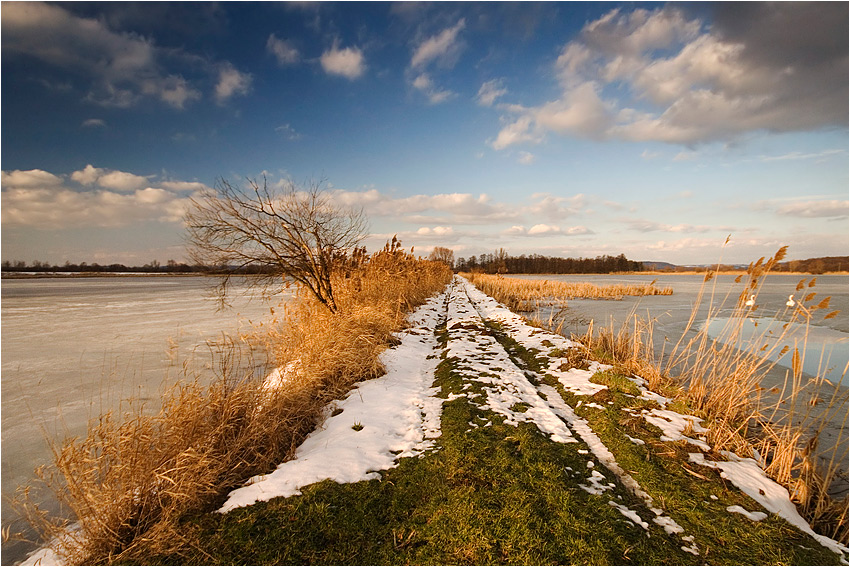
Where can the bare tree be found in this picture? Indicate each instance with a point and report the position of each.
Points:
(441, 254)
(290, 231)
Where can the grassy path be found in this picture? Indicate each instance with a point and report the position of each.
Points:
(539, 457)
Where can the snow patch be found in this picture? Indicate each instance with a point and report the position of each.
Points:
(399, 415)
(754, 516)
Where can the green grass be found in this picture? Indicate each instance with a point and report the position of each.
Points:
(506, 495)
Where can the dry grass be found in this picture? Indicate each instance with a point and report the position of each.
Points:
(128, 483)
(720, 378)
(522, 295)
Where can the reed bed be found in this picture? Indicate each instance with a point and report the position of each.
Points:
(720, 379)
(523, 295)
(131, 480)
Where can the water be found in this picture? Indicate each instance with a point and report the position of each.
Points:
(73, 348)
(671, 312)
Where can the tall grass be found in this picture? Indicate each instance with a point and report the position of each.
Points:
(522, 295)
(721, 379)
(130, 481)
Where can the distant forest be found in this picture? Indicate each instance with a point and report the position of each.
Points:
(817, 265)
(502, 263)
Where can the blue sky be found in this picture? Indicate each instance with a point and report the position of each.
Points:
(570, 129)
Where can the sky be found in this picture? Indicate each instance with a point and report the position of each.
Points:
(566, 129)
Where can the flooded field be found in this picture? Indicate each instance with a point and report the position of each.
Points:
(74, 348)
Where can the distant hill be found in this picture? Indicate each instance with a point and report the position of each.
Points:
(812, 265)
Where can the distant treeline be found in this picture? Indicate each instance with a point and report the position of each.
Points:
(817, 265)
(170, 267)
(501, 262)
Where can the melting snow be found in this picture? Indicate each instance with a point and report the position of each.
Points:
(751, 479)
(754, 516)
(399, 414)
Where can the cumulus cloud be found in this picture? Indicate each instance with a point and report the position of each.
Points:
(231, 82)
(42, 200)
(282, 50)
(347, 62)
(122, 67)
(435, 231)
(757, 68)
(546, 230)
(29, 179)
(117, 180)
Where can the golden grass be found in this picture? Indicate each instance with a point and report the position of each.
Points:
(720, 378)
(522, 295)
(131, 480)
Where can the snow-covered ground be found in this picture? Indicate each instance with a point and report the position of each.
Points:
(398, 415)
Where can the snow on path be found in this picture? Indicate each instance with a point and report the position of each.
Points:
(382, 420)
(487, 362)
(533, 337)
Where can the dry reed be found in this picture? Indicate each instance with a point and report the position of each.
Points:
(131, 480)
(521, 295)
(720, 378)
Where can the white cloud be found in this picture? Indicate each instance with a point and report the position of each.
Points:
(184, 186)
(435, 231)
(63, 208)
(435, 95)
(94, 123)
(442, 48)
(29, 179)
(800, 155)
(516, 133)
(693, 84)
(642, 225)
(542, 230)
(231, 82)
(490, 91)
(122, 67)
(118, 180)
(122, 181)
(815, 209)
(283, 51)
(39, 199)
(348, 62)
(87, 175)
